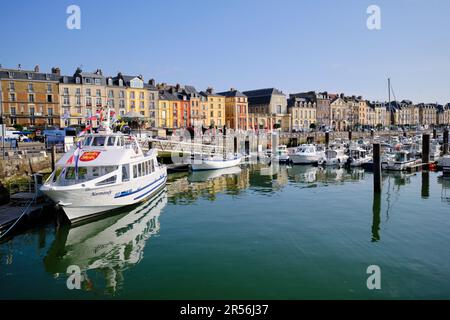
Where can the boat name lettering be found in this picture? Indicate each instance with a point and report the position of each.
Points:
(102, 193)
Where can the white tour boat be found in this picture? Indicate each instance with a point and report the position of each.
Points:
(214, 162)
(305, 154)
(105, 171)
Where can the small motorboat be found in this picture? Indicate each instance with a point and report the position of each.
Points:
(358, 157)
(282, 153)
(214, 162)
(334, 157)
(401, 161)
(305, 154)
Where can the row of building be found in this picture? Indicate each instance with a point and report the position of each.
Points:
(35, 99)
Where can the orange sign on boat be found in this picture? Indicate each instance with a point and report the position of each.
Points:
(89, 156)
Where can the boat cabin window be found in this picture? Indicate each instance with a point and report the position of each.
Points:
(71, 174)
(143, 169)
(87, 141)
(120, 142)
(107, 181)
(125, 172)
(99, 141)
(111, 141)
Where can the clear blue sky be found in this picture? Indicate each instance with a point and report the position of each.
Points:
(294, 45)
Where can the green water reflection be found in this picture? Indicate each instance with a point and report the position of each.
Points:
(252, 232)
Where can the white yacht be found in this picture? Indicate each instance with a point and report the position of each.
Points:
(358, 157)
(305, 154)
(334, 157)
(214, 162)
(105, 171)
(282, 153)
(401, 161)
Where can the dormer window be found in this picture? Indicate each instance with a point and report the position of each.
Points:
(77, 80)
(30, 75)
(47, 76)
(121, 82)
(97, 81)
(11, 75)
(110, 82)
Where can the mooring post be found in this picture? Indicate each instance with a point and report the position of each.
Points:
(372, 132)
(295, 142)
(235, 145)
(446, 141)
(349, 135)
(434, 133)
(425, 192)
(376, 209)
(327, 138)
(53, 157)
(376, 168)
(425, 149)
(247, 147)
(274, 144)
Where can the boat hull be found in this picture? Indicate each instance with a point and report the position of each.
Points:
(304, 159)
(215, 164)
(84, 203)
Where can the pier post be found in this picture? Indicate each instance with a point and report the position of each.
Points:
(446, 141)
(425, 149)
(247, 147)
(327, 139)
(274, 144)
(235, 149)
(376, 209)
(349, 135)
(425, 192)
(53, 157)
(434, 133)
(372, 132)
(376, 168)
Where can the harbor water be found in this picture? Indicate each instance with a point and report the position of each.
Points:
(253, 232)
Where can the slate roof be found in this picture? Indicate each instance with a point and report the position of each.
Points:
(233, 93)
(14, 74)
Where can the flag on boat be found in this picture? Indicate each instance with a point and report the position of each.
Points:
(82, 133)
(76, 156)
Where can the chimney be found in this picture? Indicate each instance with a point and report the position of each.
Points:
(232, 89)
(210, 90)
(36, 68)
(19, 67)
(140, 76)
(99, 72)
(341, 96)
(56, 71)
(152, 82)
(177, 87)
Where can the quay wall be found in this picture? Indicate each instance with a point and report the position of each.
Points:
(22, 166)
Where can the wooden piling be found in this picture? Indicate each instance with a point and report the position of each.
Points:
(235, 145)
(425, 192)
(327, 139)
(53, 157)
(446, 141)
(247, 147)
(376, 168)
(425, 149)
(434, 133)
(349, 135)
